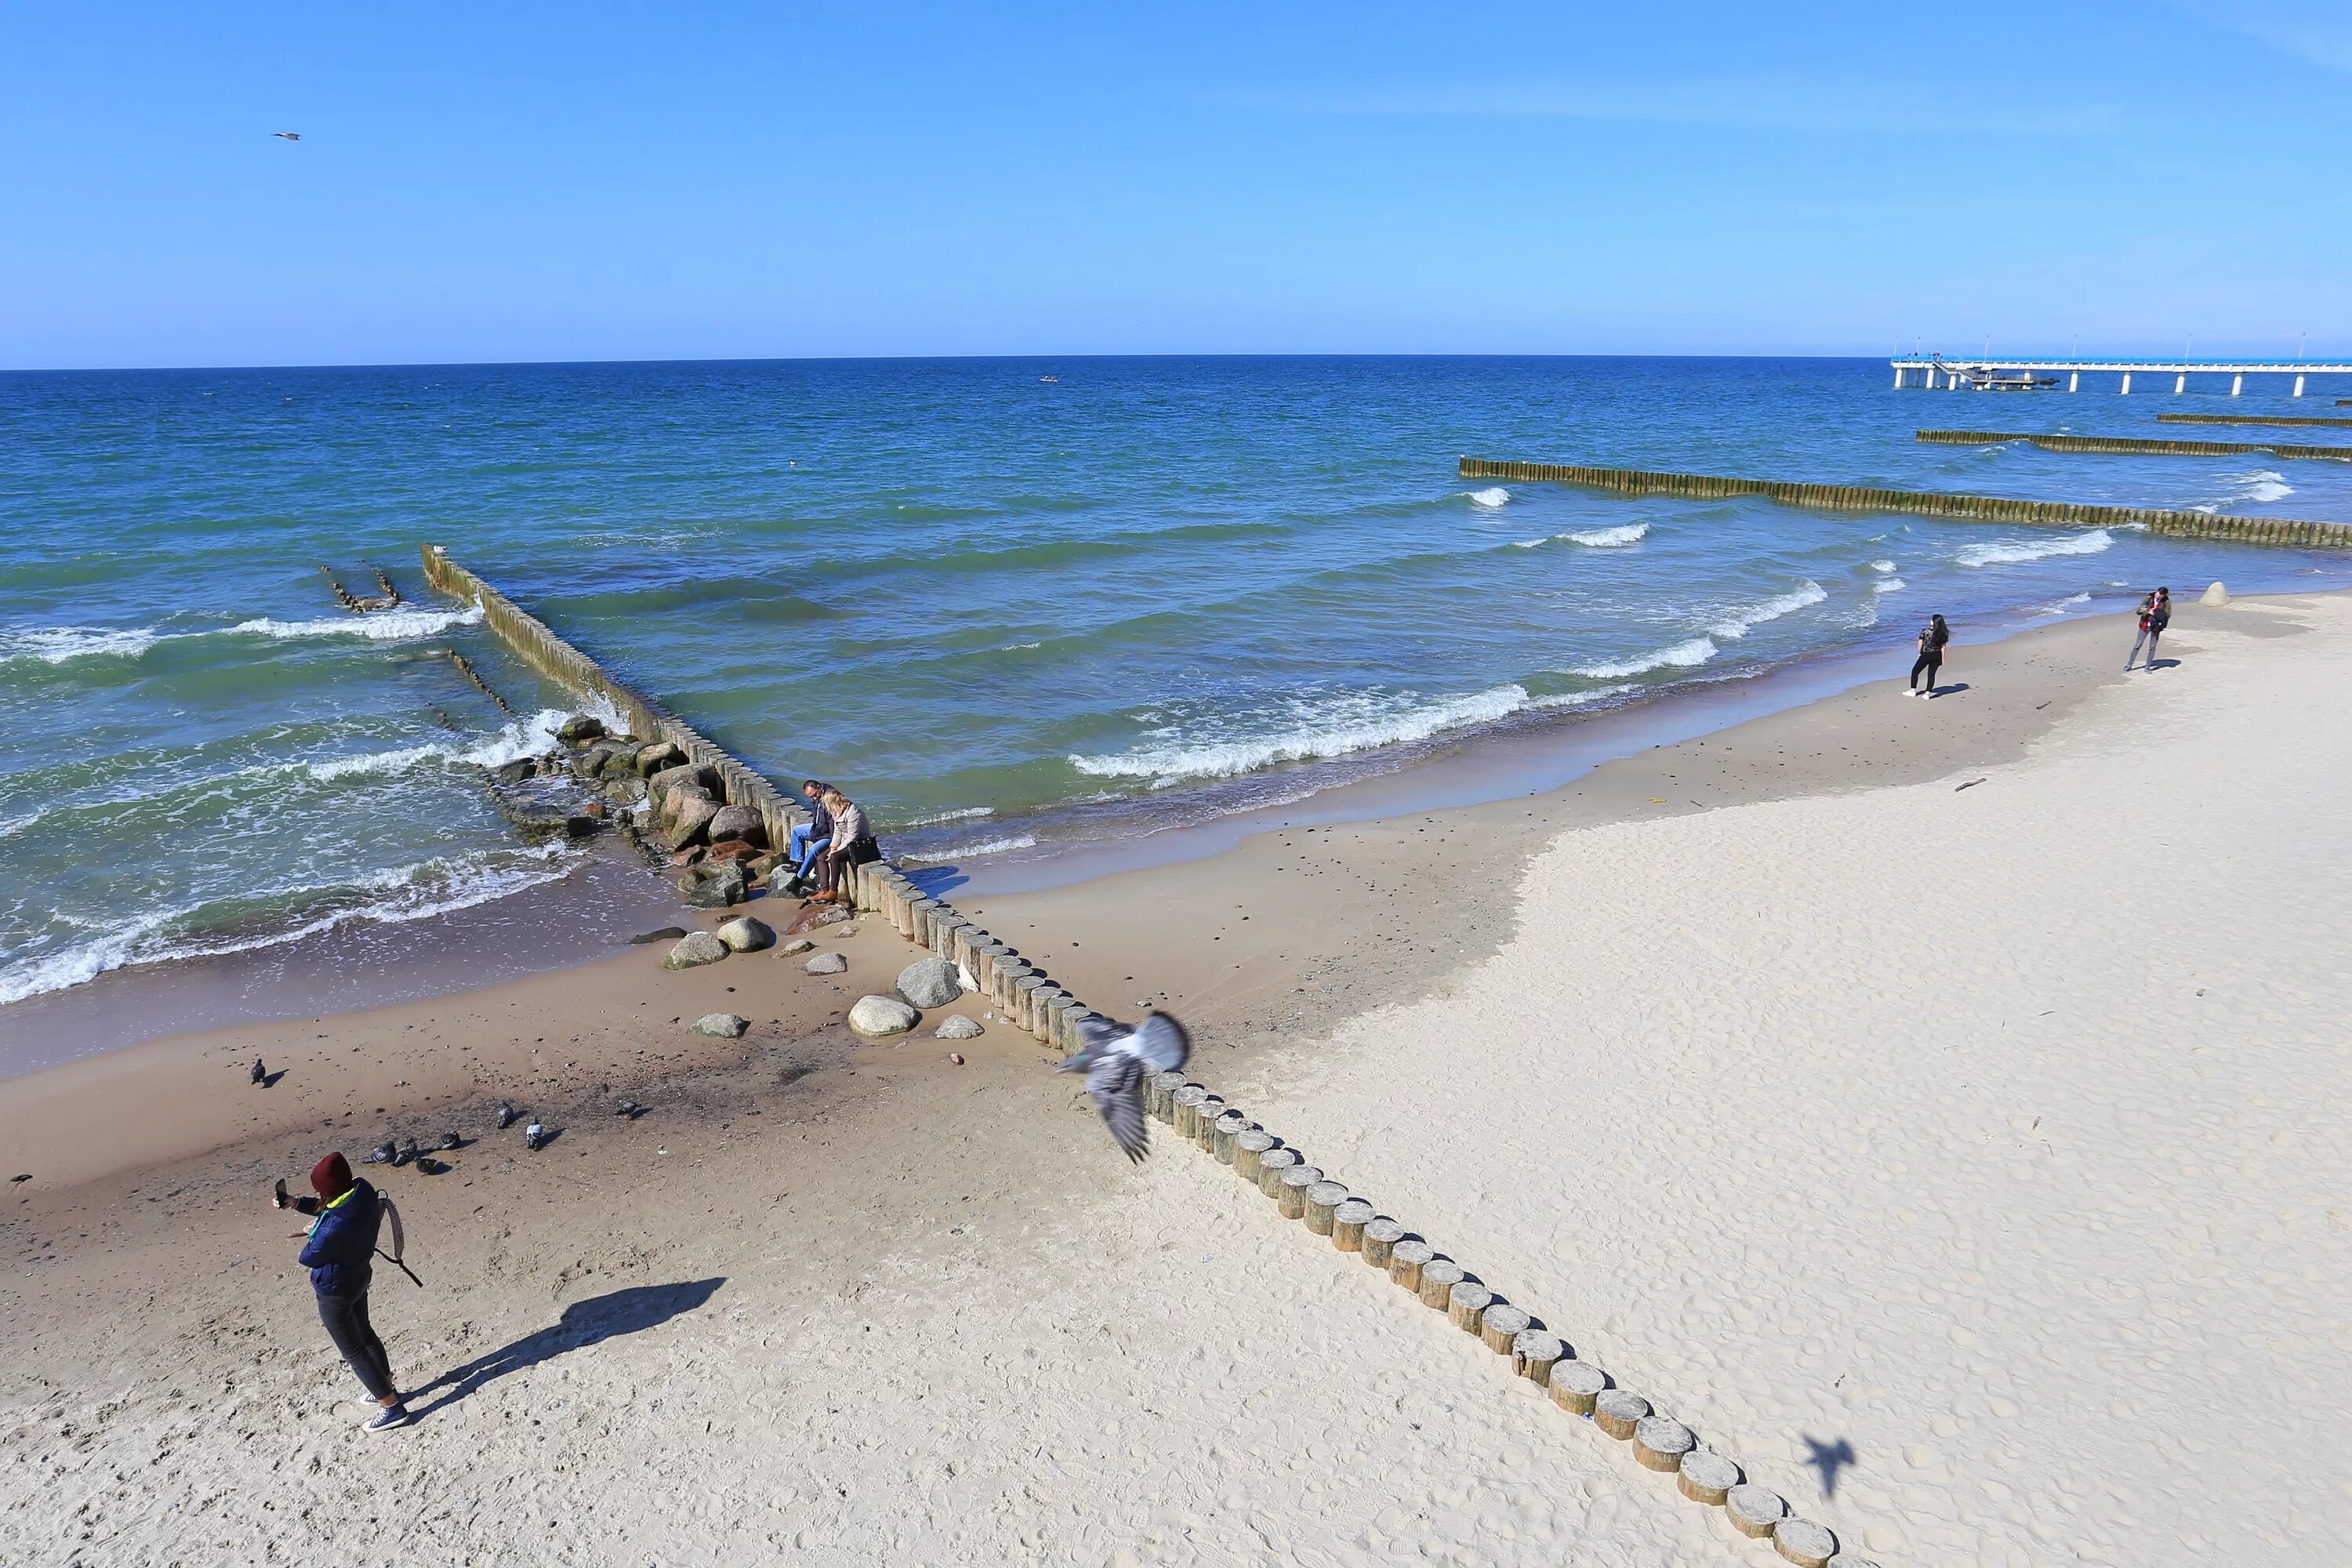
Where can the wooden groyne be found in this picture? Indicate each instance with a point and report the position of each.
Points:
(1927, 503)
(2247, 419)
(2132, 444)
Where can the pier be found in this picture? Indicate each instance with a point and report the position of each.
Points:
(1927, 503)
(2134, 444)
(1937, 373)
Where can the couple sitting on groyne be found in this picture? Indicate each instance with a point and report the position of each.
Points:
(835, 838)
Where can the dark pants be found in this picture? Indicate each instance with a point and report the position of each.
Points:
(832, 865)
(1929, 662)
(346, 1318)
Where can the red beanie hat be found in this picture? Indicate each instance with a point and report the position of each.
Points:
(331, 1176)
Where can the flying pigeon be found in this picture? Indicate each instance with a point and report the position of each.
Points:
(287, 135)
(533, 1136)
(507, 1115)
(259, 1072)
(1115, 1059)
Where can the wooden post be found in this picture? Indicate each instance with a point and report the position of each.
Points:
(1533, 1352)
(1438, 1277)
(1576, 1384)
(1323, 1201)
(1754, 1510)
(1347, 1223)
(1503, 1324)
(1187, 1109)
(1466, 1305)
(1406, 1261)
(1803, 1542)
(1660, 1441)
(1617, 1411)
(1270, 1168)
(1248, 1148)
(1163, 1089)
(1290, 1190)
(1706, 1476)
(1229, 1126)
(1204, 1120)
(1381, 1238)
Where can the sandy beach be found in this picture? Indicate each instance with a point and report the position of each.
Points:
(1928, 1103)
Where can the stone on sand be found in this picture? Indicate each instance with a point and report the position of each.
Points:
(725, 1026)
(746, 934)
(826, 963)
(694, 951)
(798, 944)
(959, 1027)
(929, 983)
(2216, 595)
(878, 1016)
(816, 915)
(716, 887)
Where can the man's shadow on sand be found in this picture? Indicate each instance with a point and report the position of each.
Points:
(583, 1323)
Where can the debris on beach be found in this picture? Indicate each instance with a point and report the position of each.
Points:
(1970, 785)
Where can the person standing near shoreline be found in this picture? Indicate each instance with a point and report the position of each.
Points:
(338, 1250)
(2155, 615)
(1933, 636)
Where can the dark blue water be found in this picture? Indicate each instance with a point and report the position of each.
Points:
(1000, 610)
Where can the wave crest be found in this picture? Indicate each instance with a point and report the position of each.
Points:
(1773, 609)
(2010, 551)
(1490, 498)
(56, 645)
(1303, 729)
(1688, 655)
(381, 625)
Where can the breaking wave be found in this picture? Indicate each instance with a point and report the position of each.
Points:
(524, 738)
(2007, 553)
(55, 645)
(1773, 609)
(1888, 585)
(1490, 498)
(1301, 729)
(1688, 655)
(381, 625)
(974, 851)
(1609, 538)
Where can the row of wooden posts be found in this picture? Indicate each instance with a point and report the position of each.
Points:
(1026, 997)
(2132, 444)
(1926, 503)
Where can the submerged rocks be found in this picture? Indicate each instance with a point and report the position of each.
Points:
(816, 915)
(508, 774)
(667, 933)
(745, 934)
(875, 1016)
(959, 1027)
(722, 1026)
(826, 963)
(694, 951)
(929, 983)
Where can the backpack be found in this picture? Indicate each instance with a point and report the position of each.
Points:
(399, 1240)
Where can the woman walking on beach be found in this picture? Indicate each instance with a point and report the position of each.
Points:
(339, 1249)
(1932, 638)
(853, 845)
(2155, 615)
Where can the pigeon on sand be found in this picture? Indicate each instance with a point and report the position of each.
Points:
(1117, 1058)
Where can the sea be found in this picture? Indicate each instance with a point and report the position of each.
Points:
(1013, 606)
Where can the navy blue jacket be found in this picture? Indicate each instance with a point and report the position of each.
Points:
(342, 1244)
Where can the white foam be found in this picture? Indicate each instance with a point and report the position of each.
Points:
(55, 645)
(2060, 607)
(1688, 655)
(1773, 609)
(2261, 485)
(410, 893)
(974, 851)
(1888, 585)
(524, 738)
(2007, 553)
(1302, 730)
(382, 626)
(1882, 566)
(1583, 698)
(939, 816)
(1609, 538)
(1490, 498)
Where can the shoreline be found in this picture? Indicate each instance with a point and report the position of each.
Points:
(579, 919)
(1072, 1313)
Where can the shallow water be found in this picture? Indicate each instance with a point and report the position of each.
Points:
(1003, 612)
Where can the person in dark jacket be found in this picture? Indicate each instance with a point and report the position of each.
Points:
(340, 1253)
(1933, 639)
(809, 840)
(2155, 615)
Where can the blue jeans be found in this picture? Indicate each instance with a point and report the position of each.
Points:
(802, 851)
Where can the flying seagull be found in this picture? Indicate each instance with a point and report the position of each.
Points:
(287, 135)
(1116, 1057)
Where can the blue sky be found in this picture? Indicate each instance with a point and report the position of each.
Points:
(525, 182)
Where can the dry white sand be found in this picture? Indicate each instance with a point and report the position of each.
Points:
(1893, 1119)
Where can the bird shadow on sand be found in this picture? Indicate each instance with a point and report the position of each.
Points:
(583, 1323)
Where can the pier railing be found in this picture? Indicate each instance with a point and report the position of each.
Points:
(1926, 503)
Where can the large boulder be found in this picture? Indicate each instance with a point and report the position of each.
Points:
(688, 820)
(660, 784)
(580, 727)
(715, 887)
(875, 1016)
(694, 950)
(514, 773)
(653, 757)
(956, 1026)
(745, 933)
(2216, 595)
(826, 963)
(929, 983)
(737, 822)
(725, 1026)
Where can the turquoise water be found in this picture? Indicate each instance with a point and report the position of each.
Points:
(1003, 611)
